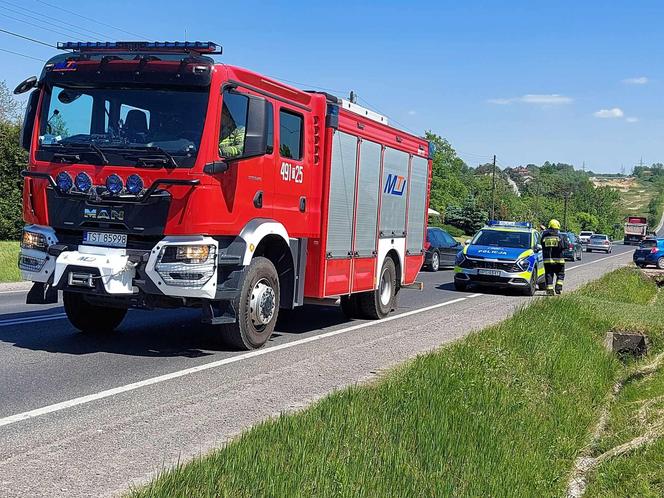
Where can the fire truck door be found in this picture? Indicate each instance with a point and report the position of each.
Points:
(292, 175)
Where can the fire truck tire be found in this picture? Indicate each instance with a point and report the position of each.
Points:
(350, 306)
(256, 306)
(378, 304)
(90, 318)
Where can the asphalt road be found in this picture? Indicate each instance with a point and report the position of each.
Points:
(83, 416)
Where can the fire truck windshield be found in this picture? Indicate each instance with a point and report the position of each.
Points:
(137, 126)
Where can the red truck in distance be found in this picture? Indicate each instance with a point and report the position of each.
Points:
(158, 178)
(636, 229)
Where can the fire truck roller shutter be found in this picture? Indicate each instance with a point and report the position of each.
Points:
(367, 202)
(342, 196)
(417, 206)
(392, 230)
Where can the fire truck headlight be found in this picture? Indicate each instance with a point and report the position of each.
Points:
(187, 265)
(134, 184)
(83, 182)
(114, 184)
(192, 254)
(64, 181)
(33, 240)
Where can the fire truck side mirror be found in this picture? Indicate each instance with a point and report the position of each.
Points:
(259, 113)
(215, 167)
(28, 124)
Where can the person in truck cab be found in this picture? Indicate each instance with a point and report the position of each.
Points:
(231, 143)
(554, 262)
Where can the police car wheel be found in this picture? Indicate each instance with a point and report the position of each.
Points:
(460, 286)
(660, 263)
(90, 318)
(435, 262)
(256, 306)
(532, 286)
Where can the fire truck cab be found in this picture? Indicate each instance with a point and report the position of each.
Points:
(159, 178)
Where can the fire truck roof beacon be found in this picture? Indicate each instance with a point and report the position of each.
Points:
(132, 46)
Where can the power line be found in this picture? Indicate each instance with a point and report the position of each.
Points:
(40, 17)
(35, 25)
(384, 114)
(22, 55)
(60, 8)
(17, 35)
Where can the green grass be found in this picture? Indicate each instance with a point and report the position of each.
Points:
(9, 261)
(503, 412)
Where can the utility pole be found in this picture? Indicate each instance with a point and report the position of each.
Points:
(566, 197)
(493, 191)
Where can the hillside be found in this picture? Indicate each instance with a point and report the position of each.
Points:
(635, 194)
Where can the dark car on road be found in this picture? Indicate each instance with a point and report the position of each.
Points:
(650, 252)
(441, 247)
(573, 248)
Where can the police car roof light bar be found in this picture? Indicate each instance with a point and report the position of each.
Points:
(140, 46)
(502, 223)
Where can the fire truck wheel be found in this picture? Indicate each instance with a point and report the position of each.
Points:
(256, 306)
(350, 306)
(377, 304)
(90, 318)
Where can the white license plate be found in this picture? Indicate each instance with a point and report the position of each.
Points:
(105, 239)
(493, 273)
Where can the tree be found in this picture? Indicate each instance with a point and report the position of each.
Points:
(12, 160)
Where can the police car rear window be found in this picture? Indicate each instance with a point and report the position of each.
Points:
(649, 243)
(503, 238)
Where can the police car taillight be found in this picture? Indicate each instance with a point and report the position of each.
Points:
(654, 250)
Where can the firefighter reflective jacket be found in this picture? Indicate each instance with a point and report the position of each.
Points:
(552, 247)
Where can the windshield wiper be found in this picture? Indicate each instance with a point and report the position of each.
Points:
(155, 155)
(75, 147)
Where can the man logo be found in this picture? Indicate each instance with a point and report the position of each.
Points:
(103, 214)
(395, 185)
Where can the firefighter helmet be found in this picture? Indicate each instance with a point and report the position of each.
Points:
(554, 224)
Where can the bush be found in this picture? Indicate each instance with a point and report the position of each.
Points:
(12, 160)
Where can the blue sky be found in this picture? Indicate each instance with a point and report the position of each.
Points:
(528, 81)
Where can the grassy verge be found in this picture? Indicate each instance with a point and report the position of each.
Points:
(9, 261)
(503, 412)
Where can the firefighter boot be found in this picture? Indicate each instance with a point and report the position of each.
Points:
(559, 289)
(549, 290)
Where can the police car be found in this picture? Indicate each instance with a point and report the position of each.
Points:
(504, 254)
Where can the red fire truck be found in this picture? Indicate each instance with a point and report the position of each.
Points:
(159, 178)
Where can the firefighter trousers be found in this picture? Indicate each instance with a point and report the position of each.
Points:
(554, 272)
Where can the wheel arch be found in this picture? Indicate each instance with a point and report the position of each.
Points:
(394, 255)
(269, 239)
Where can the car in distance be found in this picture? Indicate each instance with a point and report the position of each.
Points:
(584, 236)
(573, 248)
(650, 252)
(441, 249)
(599, 242)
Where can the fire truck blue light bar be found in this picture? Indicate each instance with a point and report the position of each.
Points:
(196, 46)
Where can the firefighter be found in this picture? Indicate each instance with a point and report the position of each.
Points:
(554, 262)
(231, 143)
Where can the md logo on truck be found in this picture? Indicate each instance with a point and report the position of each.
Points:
(394, 184)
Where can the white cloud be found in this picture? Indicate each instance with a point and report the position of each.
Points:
(412, 113)
(632, 120)
(553, 99)
(609, 113)
(640, 80)
(531, 98)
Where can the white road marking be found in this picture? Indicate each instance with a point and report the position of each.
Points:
(207, 366)
(227, 361)
(31, 319)
(596, 261)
